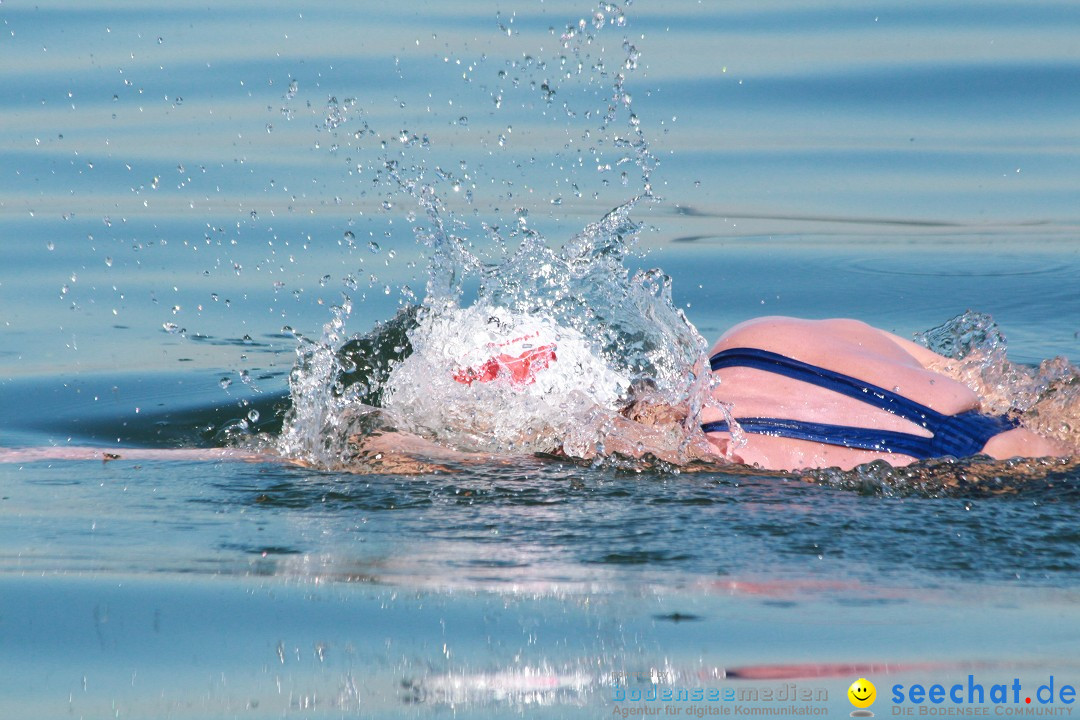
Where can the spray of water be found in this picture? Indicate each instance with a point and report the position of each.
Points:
(1046, 398)
(612, 334)
(519, 344)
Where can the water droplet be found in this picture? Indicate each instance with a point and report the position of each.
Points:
(225, 382)
(374, 247)
(253, 415)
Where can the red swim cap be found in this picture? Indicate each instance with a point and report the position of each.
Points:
(521, 369)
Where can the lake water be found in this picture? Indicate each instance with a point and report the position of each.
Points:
(182, 189)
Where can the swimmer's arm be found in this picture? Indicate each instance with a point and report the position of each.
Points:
(664, 441)
(392, 452)
(108, 454)
(404, 453)
(385, 454)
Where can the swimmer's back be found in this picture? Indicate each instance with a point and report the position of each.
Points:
(845, 346)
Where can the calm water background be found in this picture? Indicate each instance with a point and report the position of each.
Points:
(168, 203)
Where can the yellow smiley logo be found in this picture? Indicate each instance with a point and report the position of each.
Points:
(862, 693)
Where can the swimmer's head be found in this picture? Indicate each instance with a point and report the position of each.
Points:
(487, 378)
(510, 351)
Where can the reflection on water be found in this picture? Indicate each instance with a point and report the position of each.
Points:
(205, 203)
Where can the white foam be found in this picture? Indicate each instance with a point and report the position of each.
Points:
(434, 392)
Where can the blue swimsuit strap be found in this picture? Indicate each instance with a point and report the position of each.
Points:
(957, 435)
(864, 392)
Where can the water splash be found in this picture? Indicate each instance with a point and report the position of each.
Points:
(1046, 398)
(485, 378)
(615, 336)
(333, 399)
(611, 336)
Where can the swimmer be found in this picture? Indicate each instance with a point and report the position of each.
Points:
(805, 393)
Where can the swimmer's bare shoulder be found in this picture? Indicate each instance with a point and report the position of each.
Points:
(926, 357)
